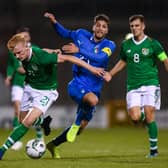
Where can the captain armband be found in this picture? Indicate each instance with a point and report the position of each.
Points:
(107, 51)
(162, 56)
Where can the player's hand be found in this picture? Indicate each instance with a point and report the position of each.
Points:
(21, 70)
(107, 76)
(57, 51)
(61, 58)
(8, 81)
(50, 16)
(70, 48)
(98, 71)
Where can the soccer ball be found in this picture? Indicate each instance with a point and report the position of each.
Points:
(35, 148)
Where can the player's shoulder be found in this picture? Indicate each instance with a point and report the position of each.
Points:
(34, 45)
(108, 42)
(127, 41)
(35, 48)
(38, 52)
(150, 39)
(153, 41)
(108, 46)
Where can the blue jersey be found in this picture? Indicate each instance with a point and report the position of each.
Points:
(94, 53)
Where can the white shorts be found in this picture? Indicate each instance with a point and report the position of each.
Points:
(144, 96)
(41, 99)
(16, 93)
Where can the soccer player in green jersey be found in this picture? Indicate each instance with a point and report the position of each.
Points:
(15, 78)
(139, 53)
(40, 89)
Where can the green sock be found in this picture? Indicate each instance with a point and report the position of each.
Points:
(16, 134)
(15, 122)
(142, 118)
(153, 134)
(39, 132)
(38, 121)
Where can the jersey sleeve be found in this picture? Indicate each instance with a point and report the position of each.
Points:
(63, 32)
(104, 53)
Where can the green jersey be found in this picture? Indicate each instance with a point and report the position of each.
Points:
(41, 70)
(13, 65)
(141, 62)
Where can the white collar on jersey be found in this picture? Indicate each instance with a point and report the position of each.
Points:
(139, 42)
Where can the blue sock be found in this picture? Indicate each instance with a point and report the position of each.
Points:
(79, 115)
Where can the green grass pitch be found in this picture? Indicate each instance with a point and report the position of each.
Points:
(118, 147)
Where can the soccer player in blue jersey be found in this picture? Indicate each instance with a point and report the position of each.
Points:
(84, 88)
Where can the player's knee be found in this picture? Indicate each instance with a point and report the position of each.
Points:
(135, 118)
(27, 123)
(94, 102)
(150, 118)
(91, 99)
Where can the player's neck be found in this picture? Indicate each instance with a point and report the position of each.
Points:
(139, 38)
(98, 39)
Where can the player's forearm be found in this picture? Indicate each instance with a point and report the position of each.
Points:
(166, 64)
(78, 62)
(117, 68)
(61, 30)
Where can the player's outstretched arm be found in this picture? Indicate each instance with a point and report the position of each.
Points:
(95, 70)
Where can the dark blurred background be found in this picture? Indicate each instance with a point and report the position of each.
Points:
(75, 14)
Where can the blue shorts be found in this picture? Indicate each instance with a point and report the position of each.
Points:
(77, 91)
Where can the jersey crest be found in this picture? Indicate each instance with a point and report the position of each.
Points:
(96, 49)
(34, 67)
(145, 51)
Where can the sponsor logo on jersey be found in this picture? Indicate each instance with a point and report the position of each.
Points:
(145, 51)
